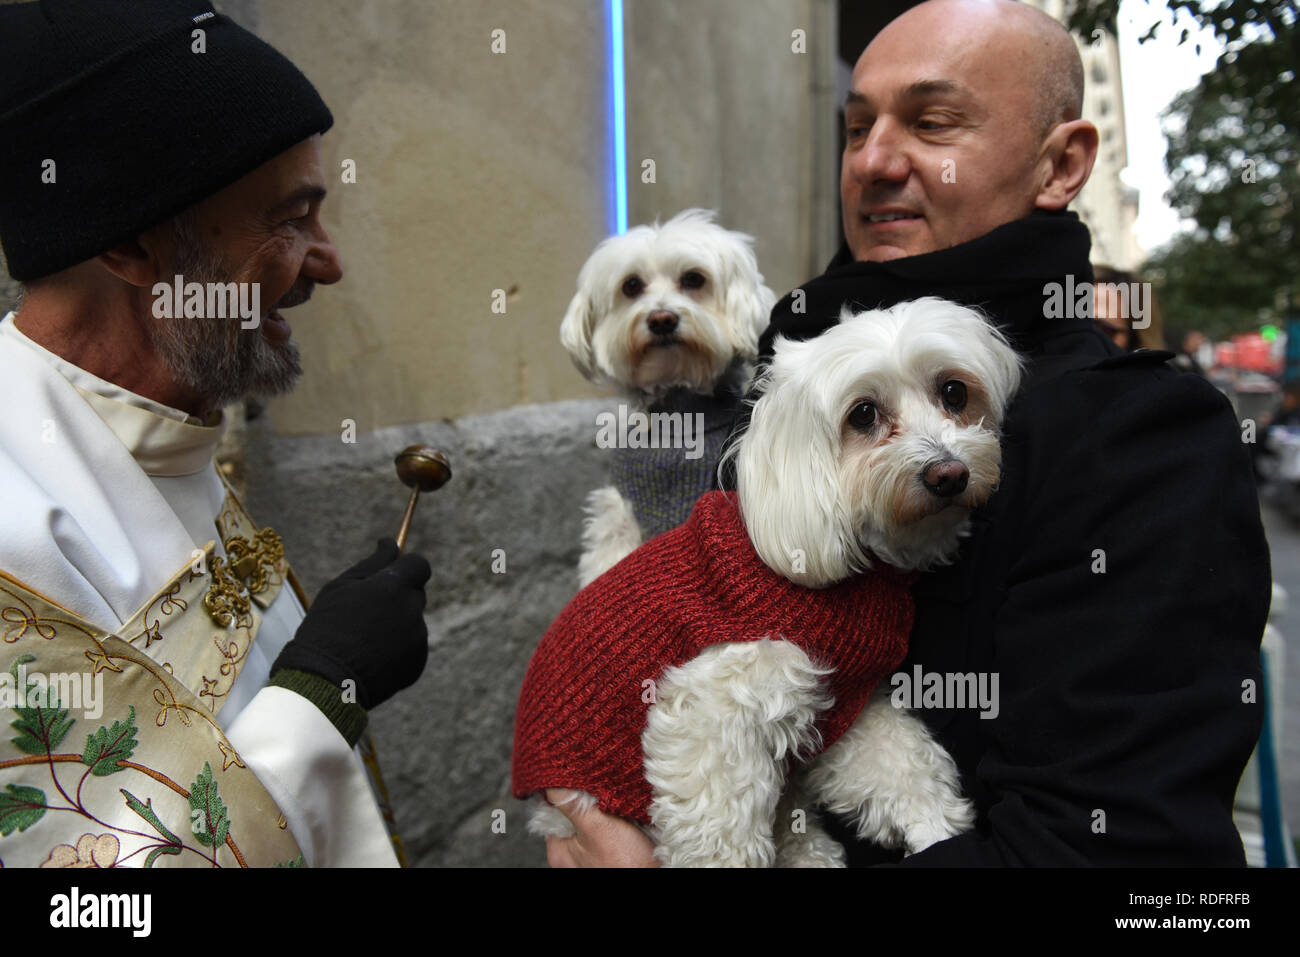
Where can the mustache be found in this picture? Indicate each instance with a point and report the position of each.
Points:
(198, 263)
(296, 296)
(897, 194)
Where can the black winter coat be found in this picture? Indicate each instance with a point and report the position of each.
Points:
(1117, 582)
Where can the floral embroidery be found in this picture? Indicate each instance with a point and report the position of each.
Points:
(91, 851)
(136, 797)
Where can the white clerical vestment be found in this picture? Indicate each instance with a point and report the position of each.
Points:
(105, 497)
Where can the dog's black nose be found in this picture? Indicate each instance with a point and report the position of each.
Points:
(662, 323)
(946, 479)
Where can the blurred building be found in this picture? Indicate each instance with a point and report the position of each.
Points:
(1107, 205)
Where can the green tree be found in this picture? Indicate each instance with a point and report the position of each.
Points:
(1201, 287)
(1234, 164)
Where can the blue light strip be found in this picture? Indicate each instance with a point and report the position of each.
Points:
(616, 81)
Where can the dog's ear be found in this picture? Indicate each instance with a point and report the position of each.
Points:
(788, 486)
(575, 333)
(983, 346)
(746, 301)
(1006, 368)
(987, 349)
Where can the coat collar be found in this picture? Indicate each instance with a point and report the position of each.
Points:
(1002, 273)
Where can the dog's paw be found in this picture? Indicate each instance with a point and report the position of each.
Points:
(955, 815)
(816, 848)
(609, 534)
(547, 821)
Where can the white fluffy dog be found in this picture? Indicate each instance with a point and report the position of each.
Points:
(870, 443)
(671, 315)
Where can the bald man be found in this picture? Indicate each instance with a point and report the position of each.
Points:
(1112, 594)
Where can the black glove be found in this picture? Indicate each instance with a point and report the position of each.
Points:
(367, 625)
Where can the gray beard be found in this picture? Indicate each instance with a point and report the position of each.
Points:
(215, 358)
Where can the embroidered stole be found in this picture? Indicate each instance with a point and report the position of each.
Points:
(113, 753)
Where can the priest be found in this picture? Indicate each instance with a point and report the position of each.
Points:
(168, 145)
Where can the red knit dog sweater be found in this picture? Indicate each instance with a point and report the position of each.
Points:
(583, 704)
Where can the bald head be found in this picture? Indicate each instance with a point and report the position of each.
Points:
(1057, 71)
(1037, 47)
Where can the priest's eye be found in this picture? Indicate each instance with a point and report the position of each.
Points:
(633, 286)
(693, 279)
(953, 393)
(863, 416)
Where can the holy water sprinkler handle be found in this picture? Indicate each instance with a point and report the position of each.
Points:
(421, 469)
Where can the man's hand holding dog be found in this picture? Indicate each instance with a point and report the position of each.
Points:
(602, 840)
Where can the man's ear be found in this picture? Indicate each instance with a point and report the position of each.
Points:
(1070, 151)
(137, 261)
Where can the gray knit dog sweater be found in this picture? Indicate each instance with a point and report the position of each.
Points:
(662, 484)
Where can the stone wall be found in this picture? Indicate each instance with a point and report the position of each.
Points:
(519, 478)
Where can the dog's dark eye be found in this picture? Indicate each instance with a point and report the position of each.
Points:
(692, 279)
(953, 393)
(633, 286)
(862, 416)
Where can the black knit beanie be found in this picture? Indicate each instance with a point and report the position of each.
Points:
(111, 122)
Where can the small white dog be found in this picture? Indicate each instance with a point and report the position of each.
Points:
(671, 315)
(868, 444)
